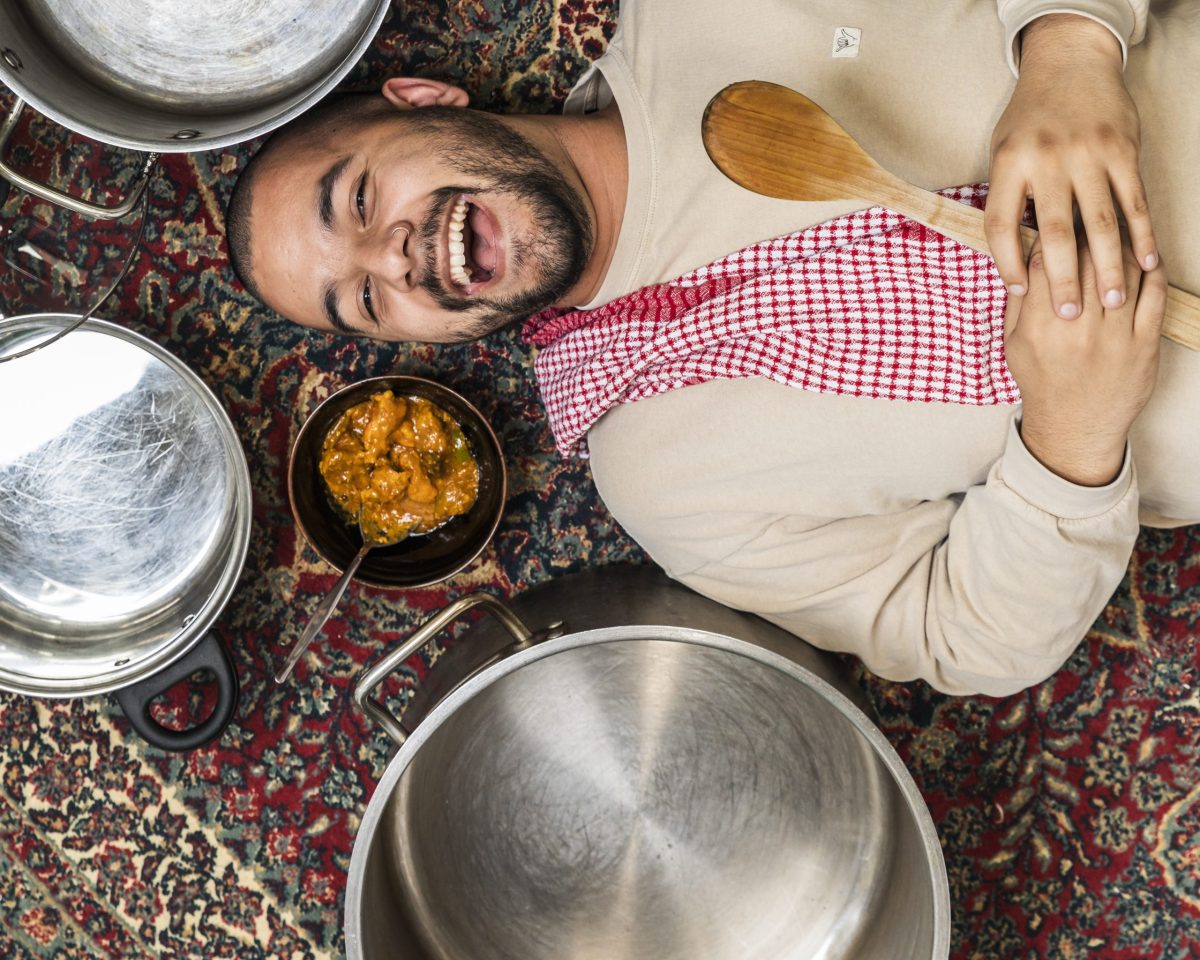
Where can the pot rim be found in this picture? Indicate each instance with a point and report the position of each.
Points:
(399, 762)
(194, 628)
(292, 106)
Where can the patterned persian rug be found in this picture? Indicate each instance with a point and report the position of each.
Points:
(1069, 815)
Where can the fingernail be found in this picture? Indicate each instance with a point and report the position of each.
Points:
(1017, 289)
(1114, 298)
(1151, 261)
(1068, 311)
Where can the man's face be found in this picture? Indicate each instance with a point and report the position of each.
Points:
(438, 225)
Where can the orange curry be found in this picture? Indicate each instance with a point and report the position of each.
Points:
(398, 465)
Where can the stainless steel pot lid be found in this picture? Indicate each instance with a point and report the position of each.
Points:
(178, 74)
(124, 508)
(208, 56)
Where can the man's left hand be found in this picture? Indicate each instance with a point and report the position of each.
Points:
(1069, 137)
(1084, 381)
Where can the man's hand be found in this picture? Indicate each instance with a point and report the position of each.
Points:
(1069, 137)
(1084, 381)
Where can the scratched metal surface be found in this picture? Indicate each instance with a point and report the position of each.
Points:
(170, 75)
(116, 503)
(202, 55)
(653, 798)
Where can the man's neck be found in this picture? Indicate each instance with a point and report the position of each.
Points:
(590, 151)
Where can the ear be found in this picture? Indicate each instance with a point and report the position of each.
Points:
(409, 93)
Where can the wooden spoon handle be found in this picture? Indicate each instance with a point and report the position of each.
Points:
(964, 223)
(1181, 322)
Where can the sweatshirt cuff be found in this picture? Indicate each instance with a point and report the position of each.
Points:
(1024, 474)
(1117, 15)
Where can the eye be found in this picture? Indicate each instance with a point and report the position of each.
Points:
(368, 300)
(359, 200)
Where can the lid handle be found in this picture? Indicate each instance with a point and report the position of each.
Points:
(135, 699)
(43, 191)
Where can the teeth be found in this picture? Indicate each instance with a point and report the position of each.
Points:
(455, 246)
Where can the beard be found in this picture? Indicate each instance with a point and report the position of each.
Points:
(493, 160)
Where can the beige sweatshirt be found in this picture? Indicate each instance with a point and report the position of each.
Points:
(922, 537)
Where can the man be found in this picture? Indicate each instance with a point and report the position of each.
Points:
(960, 544)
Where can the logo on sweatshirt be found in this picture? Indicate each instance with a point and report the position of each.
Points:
(846, 41)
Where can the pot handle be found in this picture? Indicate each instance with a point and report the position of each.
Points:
(46, 192)
(208, 654)
(365, 688)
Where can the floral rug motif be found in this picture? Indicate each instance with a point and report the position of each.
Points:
(1069, 814)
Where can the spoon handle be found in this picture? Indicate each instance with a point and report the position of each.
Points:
(964, 223)
(958, 221)
(321, 614)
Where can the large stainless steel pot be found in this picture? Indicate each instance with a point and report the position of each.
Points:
(657, 778)
(174, 75)
(124, 522)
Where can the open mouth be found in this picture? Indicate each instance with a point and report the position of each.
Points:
(471, 245)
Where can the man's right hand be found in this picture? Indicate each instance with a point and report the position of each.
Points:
(1084, 381)
(1070, 137)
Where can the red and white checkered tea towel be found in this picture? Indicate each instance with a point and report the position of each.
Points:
(871, 304)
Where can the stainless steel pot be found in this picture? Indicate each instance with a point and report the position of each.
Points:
(174, 75)
(658, 778)
(124, 522)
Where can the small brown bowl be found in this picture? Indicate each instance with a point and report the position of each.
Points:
(418, 560)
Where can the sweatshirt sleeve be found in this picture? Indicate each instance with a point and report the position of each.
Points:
(988, 591)
(1125, 18)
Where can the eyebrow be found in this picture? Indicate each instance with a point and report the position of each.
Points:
(325, 192)
(331, 310)
(329, 296)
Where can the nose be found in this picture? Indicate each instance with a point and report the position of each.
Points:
(391, 259)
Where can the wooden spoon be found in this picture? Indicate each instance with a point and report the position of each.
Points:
(775, 141)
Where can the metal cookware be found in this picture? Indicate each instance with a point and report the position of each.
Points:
(415, 561)
(174, 75)
(124, 522)
(656, 778)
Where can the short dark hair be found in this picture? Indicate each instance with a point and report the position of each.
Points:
(322, 122)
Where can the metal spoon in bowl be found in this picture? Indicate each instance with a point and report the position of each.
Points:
(329, 604)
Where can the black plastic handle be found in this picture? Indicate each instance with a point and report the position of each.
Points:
(135, 699)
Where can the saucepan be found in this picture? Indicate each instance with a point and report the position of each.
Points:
(173, 75)
(612, 767)
(124, 522)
